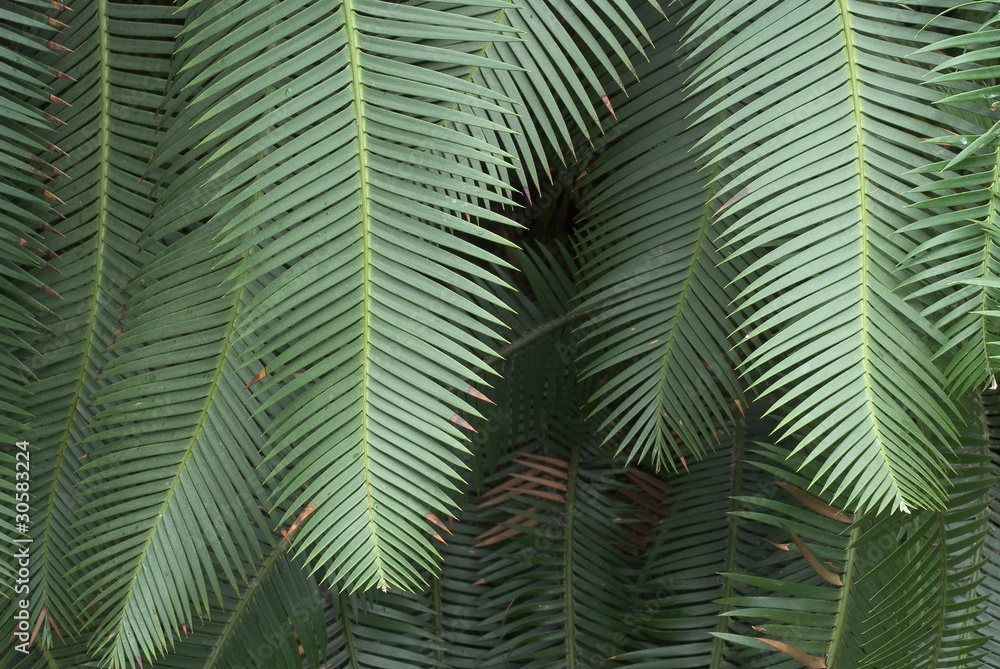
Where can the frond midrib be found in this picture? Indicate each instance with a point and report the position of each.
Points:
(358, 102)
(991, 216)
(679, 313)
(101, 226)
(245, 601)
(839, 635)
(732, 539)
(859, 143)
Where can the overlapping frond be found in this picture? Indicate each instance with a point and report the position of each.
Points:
(896, 591)
(22, 204)
(962, 249)
(374, 240)
(657, 282)
(537, 362)
(824, 120)
(97, 151)
(928, 606)
(699, 539)
(278, 620)
(568, 56)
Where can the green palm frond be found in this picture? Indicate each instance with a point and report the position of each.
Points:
(963, 249)
(700, 538)
(897, 591)
(98, 163)
(928, 604)
(193, 430)
(990, 585)
(562, 521)
(278, 620)
(368, 231)
(847, 356)
(22, 207)
(565, 72)
(658, 283)
(568, 57)
(814, 612)
(22, 204)
(536, 364)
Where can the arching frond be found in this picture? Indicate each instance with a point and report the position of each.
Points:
(820, 155)
(896, 591)
(98, 158)
(963, 247)
(278, 620)
(657, 282)
(347, 202)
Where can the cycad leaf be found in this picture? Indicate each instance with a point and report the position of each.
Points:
(99, 213)
(22, 204)
(278, 619)
(963, 248)
(700, 538)
(368, 234)
(657, 282)
(819, 157)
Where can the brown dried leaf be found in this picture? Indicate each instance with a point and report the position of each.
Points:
(811, 661)
(817, 566)
(815, 504)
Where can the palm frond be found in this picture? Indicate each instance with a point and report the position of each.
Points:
(928, 604)
(348, 204)
(963, 247)
(847, 356)
(277, 620)
(562, 522)
(657, 282)
(537, 362)
(896, 591)
(98, 162)
(22, 204)
(700, 538)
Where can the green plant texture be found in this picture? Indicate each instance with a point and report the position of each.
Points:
(488, 334)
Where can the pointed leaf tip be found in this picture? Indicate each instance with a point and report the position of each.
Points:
(743, 192)
(817, 566)
(434, 519)
(479, 396)
(461, 422)
(52, 196)
(58, 47)
(260, 377)
(607, 103)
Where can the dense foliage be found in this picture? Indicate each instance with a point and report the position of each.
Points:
(479, 334)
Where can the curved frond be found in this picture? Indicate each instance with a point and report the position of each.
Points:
(963, 247)
(566, 538)
(369, 233)
(658, 285)
(278, 620)
(896, 591)
(820, 155)
(98, 159)
(569, 54)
